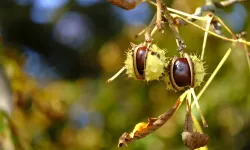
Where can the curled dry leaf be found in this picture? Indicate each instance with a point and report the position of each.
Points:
(192, 140)
(125, 4)
(143, 129)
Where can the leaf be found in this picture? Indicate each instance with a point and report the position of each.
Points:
(143, 129)
(192, 140)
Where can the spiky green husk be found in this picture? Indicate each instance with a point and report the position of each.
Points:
(169, 85)
(155, 63)
(199, 70)
(129, 65)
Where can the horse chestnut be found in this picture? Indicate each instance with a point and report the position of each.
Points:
(145, 63)
(183, 72)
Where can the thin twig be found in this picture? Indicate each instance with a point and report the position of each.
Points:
(116, 75)
(159, 15)
(191, 139)
(214, 34)
(211, 7)
(180, 42)
(198, 107)
(178, 12)
(225, 26)
(243, 46)
(210, 18)
(158, 19)
(149, 29)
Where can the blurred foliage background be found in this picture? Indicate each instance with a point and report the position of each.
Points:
(58, 54)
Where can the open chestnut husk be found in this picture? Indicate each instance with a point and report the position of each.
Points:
(184, 72)
(145, 63)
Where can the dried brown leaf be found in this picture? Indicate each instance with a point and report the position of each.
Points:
(143, 129)
(192, 140)
(125, 4)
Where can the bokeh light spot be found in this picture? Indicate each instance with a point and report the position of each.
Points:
(236, 19)
(49, 4)
(35, 66)
(42, 11)
(107, 51)
(73, 29)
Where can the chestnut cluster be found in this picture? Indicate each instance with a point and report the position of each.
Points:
(150, 63)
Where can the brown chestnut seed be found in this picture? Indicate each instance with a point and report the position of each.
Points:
(140, 61)
(181, 72)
